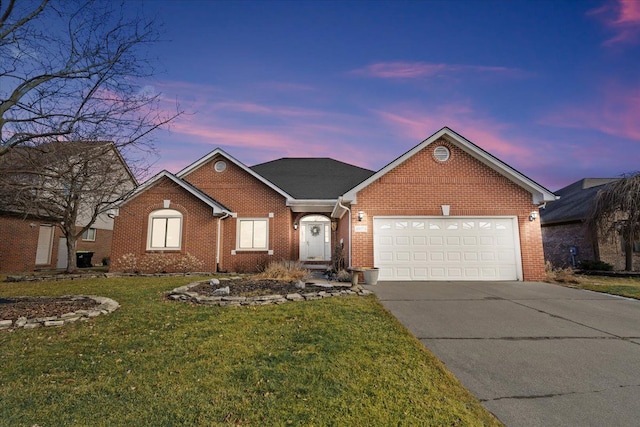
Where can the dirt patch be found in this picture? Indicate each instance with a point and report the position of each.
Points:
(12, 308)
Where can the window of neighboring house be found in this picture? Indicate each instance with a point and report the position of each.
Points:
(623, 244)
(89, 235)
(165, 230)
(253, 234)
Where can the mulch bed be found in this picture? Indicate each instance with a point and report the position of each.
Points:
(12, 308)
(249, 287)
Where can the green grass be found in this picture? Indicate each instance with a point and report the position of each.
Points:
(624, 286)
(338, 361)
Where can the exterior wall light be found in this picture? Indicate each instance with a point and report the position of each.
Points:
(295, 225)
(360, 215)
(533, 215)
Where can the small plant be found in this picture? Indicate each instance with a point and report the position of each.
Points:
(590, 265)
(127, 263)
(158, 263)
(560, 275)
(343, 276)
(286, 271)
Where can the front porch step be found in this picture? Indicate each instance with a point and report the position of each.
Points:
(309, 266)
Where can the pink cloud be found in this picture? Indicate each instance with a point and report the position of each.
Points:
(623, 17)
(249, 107)
(414, 70)
(484, 132)
(616, 111)
(256, 144)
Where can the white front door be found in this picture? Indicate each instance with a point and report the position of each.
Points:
(314, 241)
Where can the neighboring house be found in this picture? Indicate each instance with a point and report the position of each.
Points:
(27, 242)
(445, 210)
(30, 237)
(566, 238)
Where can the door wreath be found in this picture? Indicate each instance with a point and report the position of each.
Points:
(315, 230)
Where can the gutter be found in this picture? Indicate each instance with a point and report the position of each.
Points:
(226, 215)
(349, 236)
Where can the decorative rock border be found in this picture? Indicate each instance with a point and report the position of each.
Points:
(105, 306)
(183, 293)
(89, 275)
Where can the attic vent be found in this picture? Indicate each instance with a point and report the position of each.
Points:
(220, 166)
(441, 153)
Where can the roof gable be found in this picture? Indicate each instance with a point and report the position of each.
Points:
(218, 151)
(312, 178)
(217, 208)
(539, 193)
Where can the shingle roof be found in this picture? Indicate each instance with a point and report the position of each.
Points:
(312, 178)
(575, 201)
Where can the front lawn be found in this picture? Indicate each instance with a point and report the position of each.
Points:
(337, 361)
(623, 286)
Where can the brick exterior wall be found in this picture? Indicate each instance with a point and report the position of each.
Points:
(19, 242)
(610, 250)
(101, 247)
(422, 184)
(234, 188)
(557, 239)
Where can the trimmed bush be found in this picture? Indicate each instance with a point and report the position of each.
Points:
(590, 265)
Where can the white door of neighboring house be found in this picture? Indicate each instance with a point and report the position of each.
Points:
(62, 253)
(447, 248)
(45, 245)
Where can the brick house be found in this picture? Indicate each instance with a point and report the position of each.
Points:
(444, 210)
(566, 238)
(30, 235)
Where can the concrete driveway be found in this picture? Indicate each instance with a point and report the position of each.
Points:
(534, 354)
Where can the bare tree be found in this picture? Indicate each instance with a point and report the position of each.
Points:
(75, 70)
(72, 75)
(71, 182)
(616, 211)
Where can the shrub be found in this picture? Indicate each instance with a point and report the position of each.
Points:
(343, 276)
(561, 275)
(158, 263)
(127, 263)
(598, 265)
(287, 271)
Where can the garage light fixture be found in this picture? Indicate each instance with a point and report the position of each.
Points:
(360, 215)
(533, 215)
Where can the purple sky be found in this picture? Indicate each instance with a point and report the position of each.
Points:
(550, 87)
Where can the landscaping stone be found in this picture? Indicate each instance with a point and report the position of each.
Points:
(105, 306)
(222, 291)
(185, 293)
(214, 282)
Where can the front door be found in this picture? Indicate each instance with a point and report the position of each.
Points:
(314, 241)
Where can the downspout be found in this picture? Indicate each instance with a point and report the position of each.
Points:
(226, 215)
(349, 236)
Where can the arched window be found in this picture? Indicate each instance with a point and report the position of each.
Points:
(165, 230)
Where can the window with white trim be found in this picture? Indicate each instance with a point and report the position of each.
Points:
(253, 234)
(165, 230)
(89, 235)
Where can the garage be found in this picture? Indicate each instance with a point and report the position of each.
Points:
(447, 248)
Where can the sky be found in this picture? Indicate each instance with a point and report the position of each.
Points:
(551, 88)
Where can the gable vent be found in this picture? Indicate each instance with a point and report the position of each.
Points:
(441, 153)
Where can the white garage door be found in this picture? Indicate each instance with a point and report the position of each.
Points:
(452, 248)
